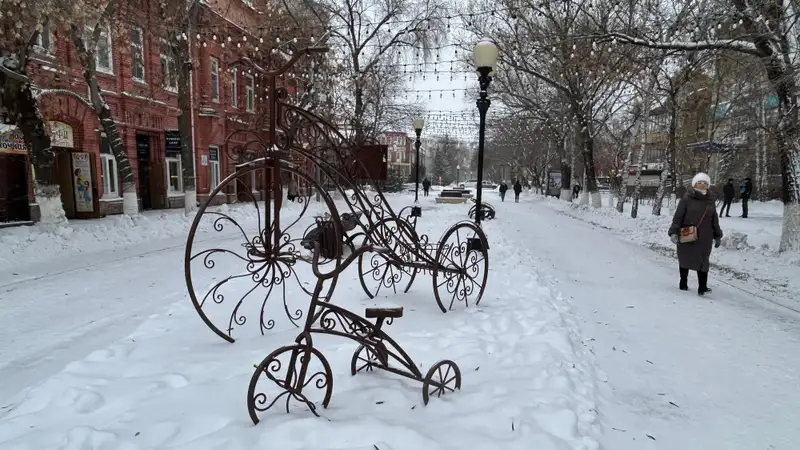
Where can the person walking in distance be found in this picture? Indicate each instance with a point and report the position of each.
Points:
(503, 189)
(695, 228)
(727, 197)
(426, 186)
(517, 190)
(744, 193)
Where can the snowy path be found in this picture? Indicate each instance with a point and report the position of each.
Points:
(693, 373)
(59, 311)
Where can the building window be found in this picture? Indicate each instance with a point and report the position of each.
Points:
(104, 60)
(234, 87)
(250, 93)
(174, 176)
(214, 80)
(169, 74)
(137, 54)
(108, 166)
(45, 42)
(213, 165)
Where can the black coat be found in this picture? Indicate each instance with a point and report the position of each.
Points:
(503, 187)
(728, 192)
(747, 190)
(517, 188)
(696, 255)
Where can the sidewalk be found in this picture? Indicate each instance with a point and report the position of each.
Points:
(683, 372)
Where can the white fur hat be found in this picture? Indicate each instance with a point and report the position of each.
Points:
(701, 177)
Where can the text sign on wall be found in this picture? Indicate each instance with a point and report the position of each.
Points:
(61, 135)
(172, 143)
(11, 140)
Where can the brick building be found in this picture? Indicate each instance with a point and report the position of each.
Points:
(401, 154)
(137, 73)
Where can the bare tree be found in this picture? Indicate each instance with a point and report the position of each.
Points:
(86, 41)
(22, 23)
(540, 41)
(367, 36)
(766, 30)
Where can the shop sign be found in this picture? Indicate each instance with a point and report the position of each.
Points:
(11, 140)
(82, 180)
(213, 154)
(172, 143)
(61, 135)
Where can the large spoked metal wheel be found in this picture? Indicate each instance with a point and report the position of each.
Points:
(462, 266)
(243, 263)
(377, 271)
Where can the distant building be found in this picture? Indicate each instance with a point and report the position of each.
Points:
(401, 153)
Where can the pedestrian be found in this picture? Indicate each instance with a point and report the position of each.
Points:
(517, 190)
(426, 186)
(727, 198)
(503, 189)
(744, 193)
(576, 190)
(292, 192)
(695, 227)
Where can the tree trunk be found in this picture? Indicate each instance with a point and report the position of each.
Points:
(588, 164)
(671, 149)
(184, 59)
(29, 120)
(130, 203)
(566, 174)
(788, 140)
(622, 194)
(761, 151)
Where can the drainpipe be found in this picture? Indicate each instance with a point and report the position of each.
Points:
(191, 110)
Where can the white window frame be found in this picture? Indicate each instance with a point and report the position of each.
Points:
(169, 74)
(213, 169)
(105, 36)
(108, 164)
(138, 48)
(234, 87)
(170, 190)
(40, 47)
(253, 185)
(213, 65)
(249, 93)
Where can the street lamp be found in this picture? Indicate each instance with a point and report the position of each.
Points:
(418, 123)
(458, 167)
(485, 58)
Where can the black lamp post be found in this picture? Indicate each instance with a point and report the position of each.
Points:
(485, 58)
(418, 123)
(458, 167)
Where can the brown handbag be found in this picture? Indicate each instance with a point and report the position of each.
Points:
(689, 234)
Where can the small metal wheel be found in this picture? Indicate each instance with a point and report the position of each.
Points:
(290, 370)
(368, 358)
(442, 378)
(462, 266)
(376, 271)
(488, 211)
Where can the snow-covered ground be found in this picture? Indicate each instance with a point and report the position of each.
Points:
(749, 252)
(581, 341)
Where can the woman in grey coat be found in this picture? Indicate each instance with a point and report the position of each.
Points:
(696, 209)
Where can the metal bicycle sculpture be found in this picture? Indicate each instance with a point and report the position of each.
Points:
(293, 372)
(267, 237)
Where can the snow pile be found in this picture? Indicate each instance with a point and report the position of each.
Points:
(737, 241)
(21, 245)
(527, 381)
